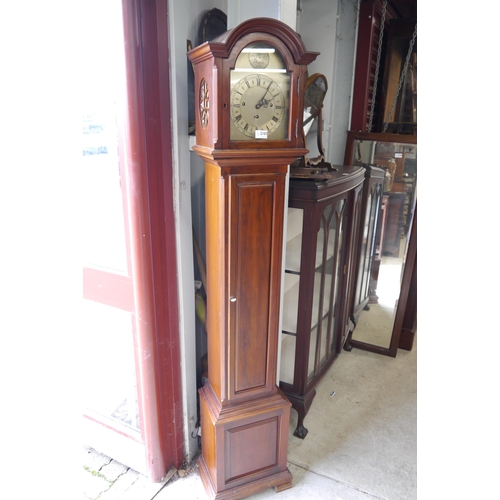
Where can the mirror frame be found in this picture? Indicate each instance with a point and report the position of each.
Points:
(316, 114)
(404, 326)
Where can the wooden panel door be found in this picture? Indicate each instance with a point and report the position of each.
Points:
(256, 215)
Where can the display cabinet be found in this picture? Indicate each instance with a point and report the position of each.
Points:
(323, 218)
(366, 243)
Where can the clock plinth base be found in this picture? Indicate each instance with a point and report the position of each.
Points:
(280, 482)
(244, 446)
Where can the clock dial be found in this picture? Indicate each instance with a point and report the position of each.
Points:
(259, 98)
(257, 106)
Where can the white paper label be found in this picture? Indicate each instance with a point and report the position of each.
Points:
(261, 134)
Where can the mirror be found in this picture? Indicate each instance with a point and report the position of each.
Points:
(377, 327)
(313, 167)
(314, 94)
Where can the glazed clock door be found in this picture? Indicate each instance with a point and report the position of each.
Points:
(260, 94)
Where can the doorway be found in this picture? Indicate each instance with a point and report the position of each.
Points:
(132, 395)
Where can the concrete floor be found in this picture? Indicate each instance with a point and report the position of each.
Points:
(362, 441)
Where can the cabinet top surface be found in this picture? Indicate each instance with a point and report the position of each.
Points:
(343, 179)
(341, 175)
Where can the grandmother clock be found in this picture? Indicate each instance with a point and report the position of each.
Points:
(249, 83)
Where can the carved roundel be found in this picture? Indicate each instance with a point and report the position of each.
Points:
(204, 103)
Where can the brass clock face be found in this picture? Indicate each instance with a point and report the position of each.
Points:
(257, 106)
(259, 98)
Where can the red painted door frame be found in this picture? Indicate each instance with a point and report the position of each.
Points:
(151, 220)
(149, 292)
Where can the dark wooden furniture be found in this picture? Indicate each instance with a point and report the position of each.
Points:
(322, 224)
(366, 242)
(403, 102)
(395, 260)
(396, 34)
(369, 30)
(406, 312)
(244, 415)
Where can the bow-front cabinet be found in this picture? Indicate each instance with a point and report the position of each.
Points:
(323, 223)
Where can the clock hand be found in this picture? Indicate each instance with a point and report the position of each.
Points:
(265, 102)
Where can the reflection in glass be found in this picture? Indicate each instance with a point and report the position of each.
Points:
(399, 161)
(367, 250)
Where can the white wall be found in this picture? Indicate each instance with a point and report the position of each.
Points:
(329, 27)
(284, 10)
(184, 19)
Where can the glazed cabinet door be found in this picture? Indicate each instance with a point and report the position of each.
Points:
(255, 244)
(366, 242)
(313, 303)
(326, 296)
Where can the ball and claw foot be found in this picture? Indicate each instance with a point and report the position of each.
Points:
(300, 432)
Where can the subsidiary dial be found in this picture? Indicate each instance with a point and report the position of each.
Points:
(258, 60)
(257, 106)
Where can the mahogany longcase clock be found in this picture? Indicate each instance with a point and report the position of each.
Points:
(249, 83)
